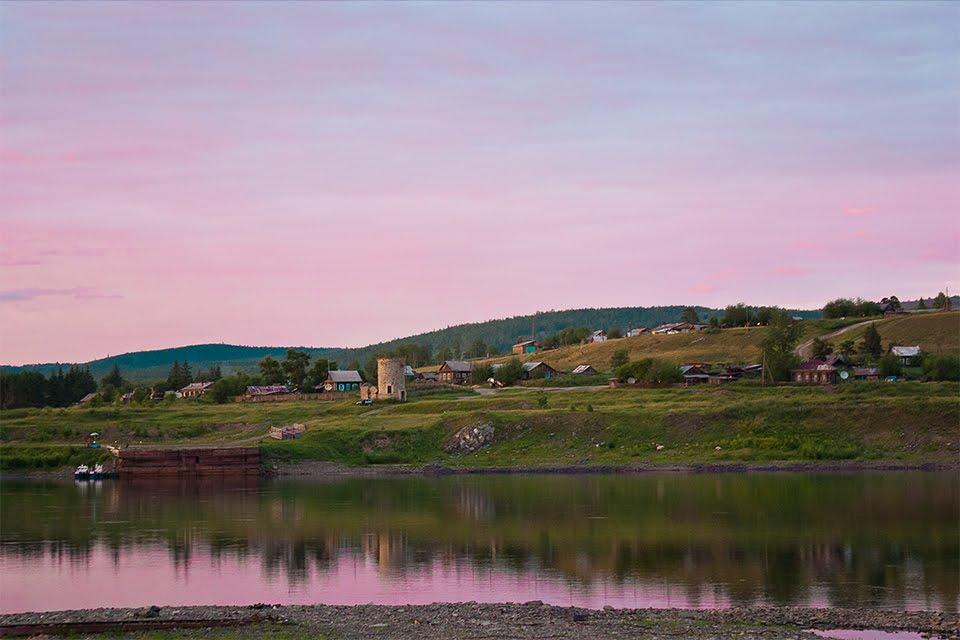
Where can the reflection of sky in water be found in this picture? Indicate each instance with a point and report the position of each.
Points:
(883, 541)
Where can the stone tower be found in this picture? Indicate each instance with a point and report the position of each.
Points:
(390, 380)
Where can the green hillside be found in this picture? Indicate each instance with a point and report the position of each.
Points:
(151, 365)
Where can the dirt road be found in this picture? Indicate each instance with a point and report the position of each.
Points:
(805, 349)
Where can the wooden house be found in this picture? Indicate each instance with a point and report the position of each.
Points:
(455, 372)
(584, 370)
(194, 390)
(538, 370)
(346, 380)
(814, 372)
(526, 346)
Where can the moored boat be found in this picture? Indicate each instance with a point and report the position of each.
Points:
(82, 472)
(97, 472)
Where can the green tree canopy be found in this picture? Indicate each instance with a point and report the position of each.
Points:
(294, 367)
(872, 345)
(690, 315)
(271, 372)
(777, 348)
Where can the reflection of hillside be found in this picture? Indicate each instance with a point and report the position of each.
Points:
(866, 540)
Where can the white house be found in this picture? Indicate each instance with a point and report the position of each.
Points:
(633, 333)
(597, 336)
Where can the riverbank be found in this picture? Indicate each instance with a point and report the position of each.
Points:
(469, 620)
(740, 426)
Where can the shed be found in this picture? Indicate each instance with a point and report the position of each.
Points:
(584, 370)
(597, 336)
(268, 390)
(194, 389)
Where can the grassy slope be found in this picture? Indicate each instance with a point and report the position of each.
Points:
(934, 332)
(910, 421)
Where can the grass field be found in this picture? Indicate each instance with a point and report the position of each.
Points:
(862, 421)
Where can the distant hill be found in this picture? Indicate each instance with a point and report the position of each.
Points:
(501, 333)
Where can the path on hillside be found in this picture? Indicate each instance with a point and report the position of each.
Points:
(805, 349)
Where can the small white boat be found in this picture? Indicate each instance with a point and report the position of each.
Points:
(82, 472)
(97, 472)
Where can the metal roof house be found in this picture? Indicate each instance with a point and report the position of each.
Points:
(633, 333)
(597, 336)
(347, 380)
(267, 390)
(584, 370)
(908, 355)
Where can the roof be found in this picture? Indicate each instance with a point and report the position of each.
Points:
(345, 375)
(408, 370)
(530, 366)
(691, 369)
(522, 342)
(197, 386)
(599, 332)
(457, 366)
(267, 390)
(865, 371)
(89, 396)
(814, 365)
(905, 352)
(582, 368)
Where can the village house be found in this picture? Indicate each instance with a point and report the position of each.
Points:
(538, 370)
(584, 370)
(194, 390)
(597, 336)
(633, 333)
(814, 372)
(455, 372)
(694, 374)
(526, 346)
(267, 390)
(88, 398)
(678, 327)
(909, 356)
(346, 380)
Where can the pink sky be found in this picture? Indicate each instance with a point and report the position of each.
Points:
(338, 174)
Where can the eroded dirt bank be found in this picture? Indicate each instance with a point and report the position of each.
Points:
(532, 620)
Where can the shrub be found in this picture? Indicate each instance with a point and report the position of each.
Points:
(890, 365)
(480, 374)
(945, 367)
(510, 372)
(620, 358)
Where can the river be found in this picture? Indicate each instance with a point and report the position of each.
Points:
(882, 540)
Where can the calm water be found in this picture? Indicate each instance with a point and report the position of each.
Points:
(874, 540)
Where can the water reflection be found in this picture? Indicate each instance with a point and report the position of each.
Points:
(875, 540)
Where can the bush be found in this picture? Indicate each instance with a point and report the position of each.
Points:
(890, 365)
(620, 358)
(944, 368)
(510, 372)
(480, 374)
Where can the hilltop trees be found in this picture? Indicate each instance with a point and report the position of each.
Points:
(847, 308)
(941, 302)
(690, 315)
(573, 335)
(31, 389)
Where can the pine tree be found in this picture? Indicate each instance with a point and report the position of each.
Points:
(872, 344)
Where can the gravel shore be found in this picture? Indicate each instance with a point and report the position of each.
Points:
(529, 621)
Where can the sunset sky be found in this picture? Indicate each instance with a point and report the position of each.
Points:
(338, 174)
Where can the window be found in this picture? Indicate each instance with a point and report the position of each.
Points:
(389, 389)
